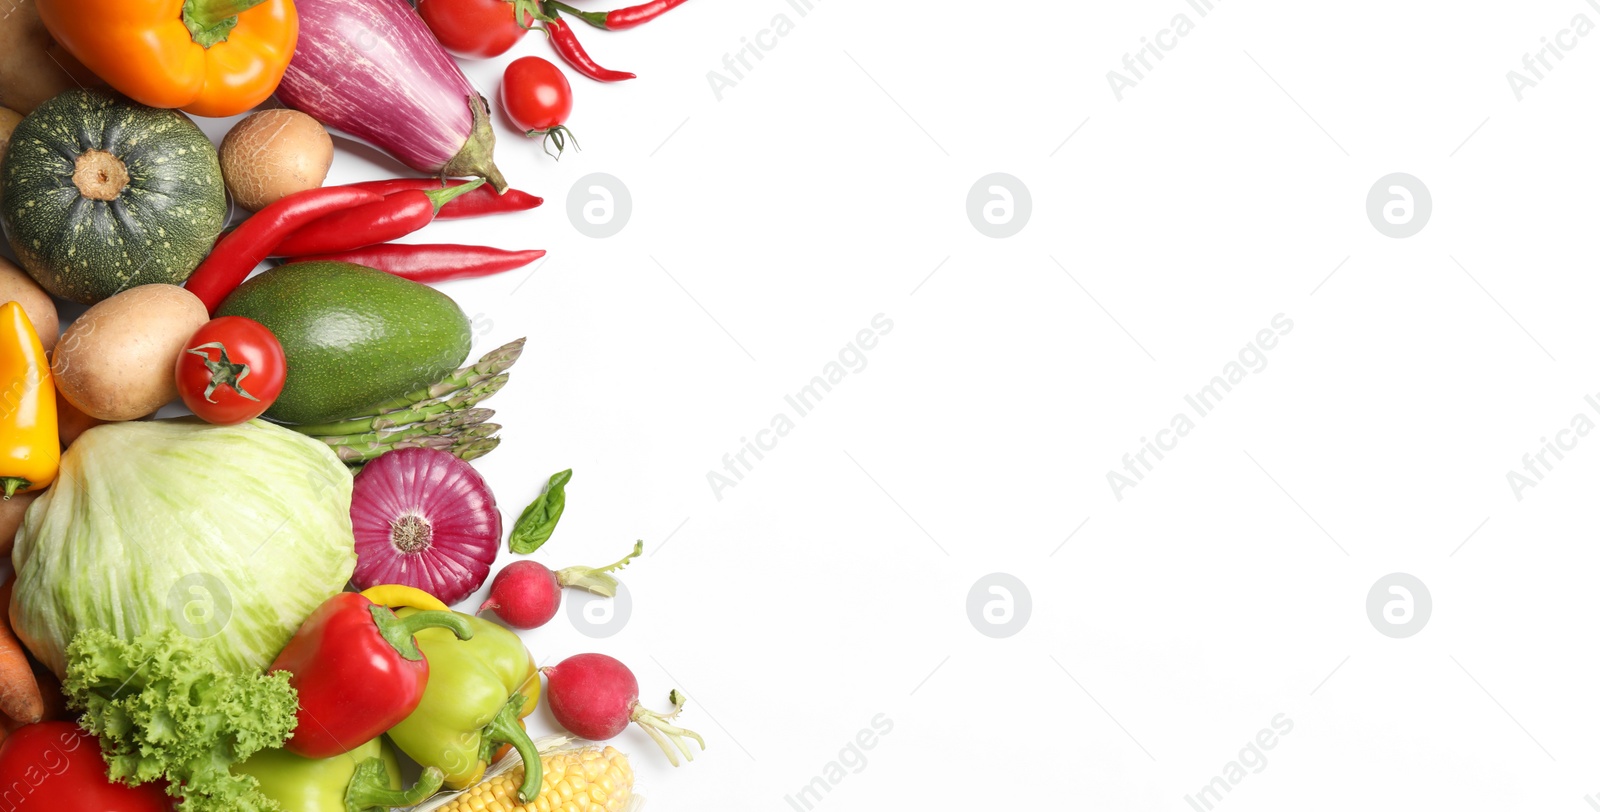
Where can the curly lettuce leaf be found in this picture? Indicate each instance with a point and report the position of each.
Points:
(165, 710)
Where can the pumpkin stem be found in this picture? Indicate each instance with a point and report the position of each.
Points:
(99, 175)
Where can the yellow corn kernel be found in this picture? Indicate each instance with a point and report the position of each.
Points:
(585, 779)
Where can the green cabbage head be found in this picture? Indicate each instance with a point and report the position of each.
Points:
(231, 535)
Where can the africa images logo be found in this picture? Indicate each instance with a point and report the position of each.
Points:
(1251, 359)
(850, 360)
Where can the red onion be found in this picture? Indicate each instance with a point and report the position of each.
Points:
(426, 519)
(372, 69)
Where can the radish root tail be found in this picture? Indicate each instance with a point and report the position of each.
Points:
(667, 735)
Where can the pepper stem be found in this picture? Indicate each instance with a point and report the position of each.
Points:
(594, 18)
(370, 790)
(507, 727)
(401, 632)
(442, 196)
(596, 579)
(12, 485)
(659, 726)
(209, 21)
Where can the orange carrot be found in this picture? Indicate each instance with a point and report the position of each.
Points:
(19, 689)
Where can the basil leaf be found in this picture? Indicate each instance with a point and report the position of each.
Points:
(538, 520)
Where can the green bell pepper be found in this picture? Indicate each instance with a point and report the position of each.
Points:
(478, 692)
(366, 778)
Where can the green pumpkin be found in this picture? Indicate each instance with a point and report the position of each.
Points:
(99, 194)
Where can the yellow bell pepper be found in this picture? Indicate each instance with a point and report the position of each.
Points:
(30, 450)
(396, 596)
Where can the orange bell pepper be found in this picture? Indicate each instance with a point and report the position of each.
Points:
(208, 57)
(30, 453)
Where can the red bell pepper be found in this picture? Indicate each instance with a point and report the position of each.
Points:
(56, 766)
(358, 671)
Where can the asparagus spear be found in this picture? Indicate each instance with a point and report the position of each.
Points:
(492, 363)
(458, 401)
(475, 448)
(443, 424)
(371, 451)
(471, 437)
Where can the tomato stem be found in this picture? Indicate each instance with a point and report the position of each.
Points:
(223, 371)
(559, 135)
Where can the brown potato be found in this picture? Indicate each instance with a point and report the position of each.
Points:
(9, 119)
(11, 511)
(17, 286)
(115, 362)
(33, 69)
(273, 154)
(71, 422)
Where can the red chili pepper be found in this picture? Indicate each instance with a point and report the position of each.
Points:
(391, 218)
(476, 203)
(566, 45)
(241, 250)
(57, 766)
(433, 263)
(358, 671)
(622, 18)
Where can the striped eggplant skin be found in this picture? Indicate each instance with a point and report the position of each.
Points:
(372, 69)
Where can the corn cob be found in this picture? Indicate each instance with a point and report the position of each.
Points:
(592, 778)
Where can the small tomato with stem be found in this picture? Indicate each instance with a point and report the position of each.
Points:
(538, 99)
(231, 370)
(478, 29)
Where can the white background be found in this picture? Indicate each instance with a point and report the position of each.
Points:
(829, 586)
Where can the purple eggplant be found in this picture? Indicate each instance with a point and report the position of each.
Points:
(372, 69)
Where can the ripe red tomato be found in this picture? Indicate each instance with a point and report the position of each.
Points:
(477, 29)
(57, 766)
(231, 370)
(538, 98)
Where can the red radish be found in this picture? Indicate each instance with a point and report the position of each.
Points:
(595, 697)
(425, 519)
(526, 594)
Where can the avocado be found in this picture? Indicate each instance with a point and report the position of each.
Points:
(353, 336)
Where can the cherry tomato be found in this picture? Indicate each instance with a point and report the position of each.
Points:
(537, 98)
(231, 370)
(477, 29)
